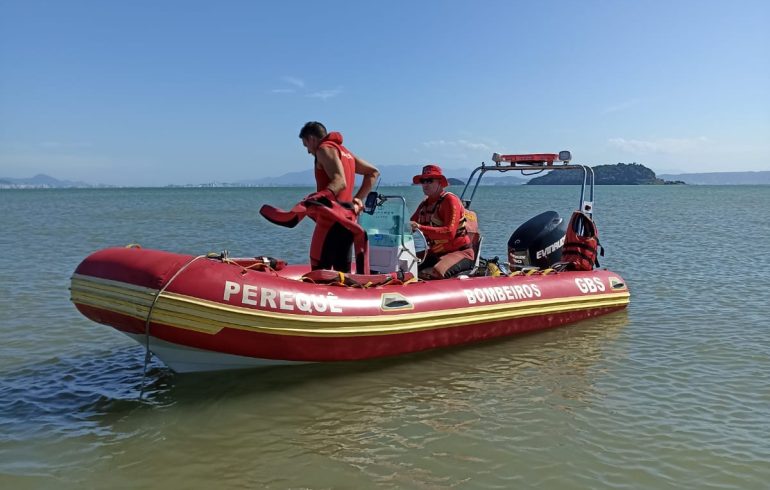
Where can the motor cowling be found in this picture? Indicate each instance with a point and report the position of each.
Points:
(538, 242)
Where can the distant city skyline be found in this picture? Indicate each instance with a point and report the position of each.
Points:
(171, 92)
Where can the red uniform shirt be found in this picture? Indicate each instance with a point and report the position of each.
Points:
(442, 221)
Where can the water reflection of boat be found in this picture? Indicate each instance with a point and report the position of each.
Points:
(214, 312)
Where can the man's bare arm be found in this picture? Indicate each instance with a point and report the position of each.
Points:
(370, 174)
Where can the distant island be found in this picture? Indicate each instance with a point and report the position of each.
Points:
(619, 174)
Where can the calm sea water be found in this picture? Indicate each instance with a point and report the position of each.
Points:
(673, 393)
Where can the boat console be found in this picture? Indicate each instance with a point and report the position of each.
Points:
(391, 243)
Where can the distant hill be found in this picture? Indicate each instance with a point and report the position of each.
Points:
(722, 178)
(390, 174)
(491, 178)
(395, 175)
(619, 174)
(39, 181)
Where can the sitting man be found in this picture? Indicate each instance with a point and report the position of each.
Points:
(441, 218)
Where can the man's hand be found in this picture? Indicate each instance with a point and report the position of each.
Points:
(415, 226)
(358, 205)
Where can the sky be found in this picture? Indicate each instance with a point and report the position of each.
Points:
(176, 92)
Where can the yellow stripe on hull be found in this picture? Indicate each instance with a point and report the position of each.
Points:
(189, 313)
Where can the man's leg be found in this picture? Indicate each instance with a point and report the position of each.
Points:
(336, 249)
(454, 263)
(425, 269)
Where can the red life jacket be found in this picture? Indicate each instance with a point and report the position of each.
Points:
(334, 139)
(581, 244)
(427, 214)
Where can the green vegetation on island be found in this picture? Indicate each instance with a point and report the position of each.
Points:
(619, 174)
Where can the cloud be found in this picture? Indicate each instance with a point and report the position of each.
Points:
(297, 82)
(461, 143)
(662, 145)
(621, 106)
(325, 94)
(298, 87)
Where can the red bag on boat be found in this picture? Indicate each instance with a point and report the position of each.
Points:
(335, 278)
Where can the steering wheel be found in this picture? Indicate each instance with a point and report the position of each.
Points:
(420, 245)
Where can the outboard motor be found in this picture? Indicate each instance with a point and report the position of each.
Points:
(538, 242)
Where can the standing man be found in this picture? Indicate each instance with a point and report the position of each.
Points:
(441, 218)
(335, 175)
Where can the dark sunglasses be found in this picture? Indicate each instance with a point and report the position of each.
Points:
(426, 181)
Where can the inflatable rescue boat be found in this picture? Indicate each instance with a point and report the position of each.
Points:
(213, 312)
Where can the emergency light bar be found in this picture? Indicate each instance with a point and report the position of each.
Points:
(533, 158)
